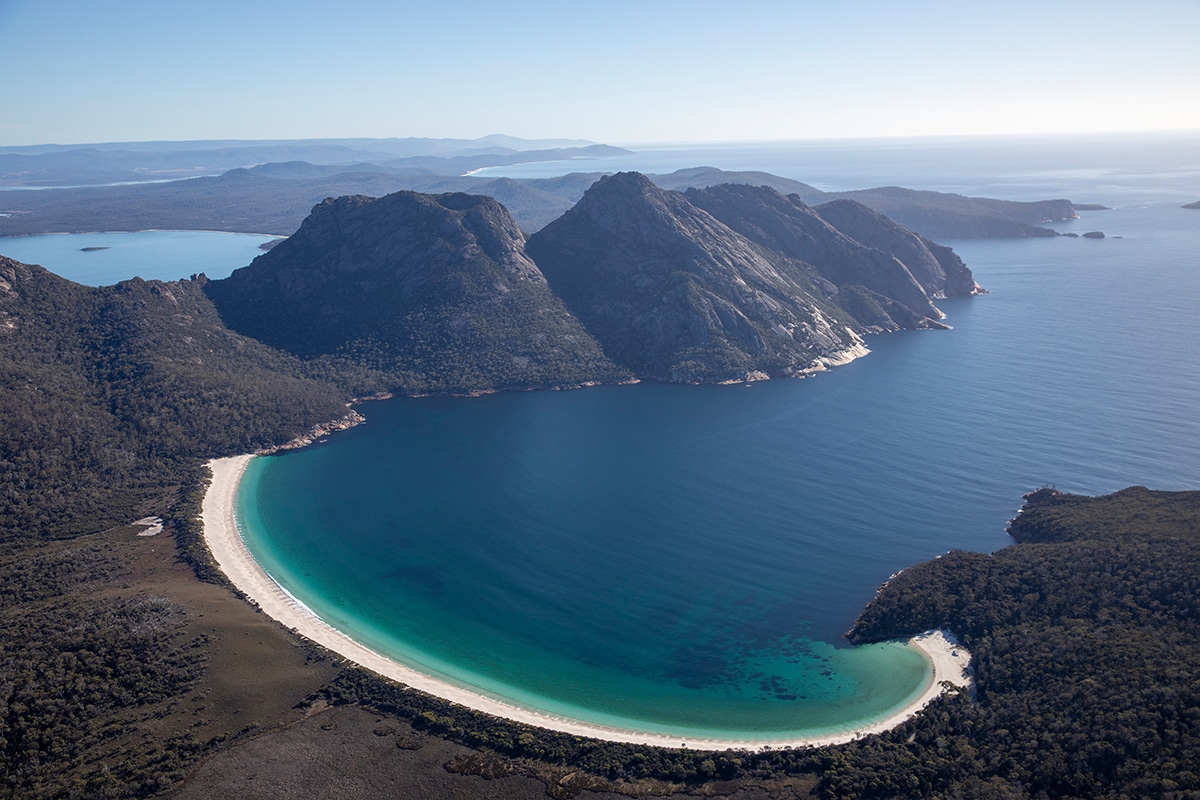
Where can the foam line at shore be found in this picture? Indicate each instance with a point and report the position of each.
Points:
(225, 542)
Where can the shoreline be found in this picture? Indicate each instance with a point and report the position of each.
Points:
(220, 532)
(140, 230)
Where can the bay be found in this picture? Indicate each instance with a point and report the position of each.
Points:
(685, 559)
(102, 259)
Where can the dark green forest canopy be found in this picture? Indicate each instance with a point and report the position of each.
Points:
(112, 395)
(1085, 641)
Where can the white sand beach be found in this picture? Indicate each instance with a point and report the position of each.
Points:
(225, 542)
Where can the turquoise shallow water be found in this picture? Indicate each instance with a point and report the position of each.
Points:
(573, 552)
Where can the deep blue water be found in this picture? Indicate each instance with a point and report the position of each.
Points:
(151, 255)
(686, 558)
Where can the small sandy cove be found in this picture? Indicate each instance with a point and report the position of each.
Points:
(225, 542)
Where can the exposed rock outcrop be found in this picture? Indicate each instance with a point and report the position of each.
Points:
(441, 293)
(433, 292)
(714, 285)
(787, 226)
(937, 269)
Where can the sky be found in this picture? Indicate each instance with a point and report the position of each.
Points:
(620, 71)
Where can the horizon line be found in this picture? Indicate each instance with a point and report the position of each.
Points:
(641, 143)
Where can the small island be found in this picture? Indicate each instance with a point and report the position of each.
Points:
(93, 249)
(1195, 205)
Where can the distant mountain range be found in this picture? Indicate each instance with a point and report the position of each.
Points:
(269, 186)
(276, 197)
(141, 162)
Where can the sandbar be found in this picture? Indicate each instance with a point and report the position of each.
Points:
(225, 542)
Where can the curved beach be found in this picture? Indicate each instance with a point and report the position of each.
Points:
(949, 662)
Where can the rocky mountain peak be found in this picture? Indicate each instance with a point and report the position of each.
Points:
(936, 268)
(788, 226)
(435, 292)
(673, 293)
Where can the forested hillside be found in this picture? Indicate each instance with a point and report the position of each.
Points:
(1085, 640)
(112, 394)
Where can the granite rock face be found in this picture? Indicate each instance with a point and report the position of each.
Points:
(937, 269)
(433, 292)
(787, 226)
(711, 285)
(442, 293)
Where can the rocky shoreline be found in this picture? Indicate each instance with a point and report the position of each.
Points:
(315, 433)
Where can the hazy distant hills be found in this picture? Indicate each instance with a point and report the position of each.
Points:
(260, 200)
(395, 147)
(95, 164)
(275, 197)
(939, 215)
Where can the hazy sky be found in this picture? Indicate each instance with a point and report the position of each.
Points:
(620, 71)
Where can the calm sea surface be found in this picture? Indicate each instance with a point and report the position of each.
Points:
(151, 255)
(679, 558)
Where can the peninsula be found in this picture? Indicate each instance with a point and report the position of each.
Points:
(415, 293)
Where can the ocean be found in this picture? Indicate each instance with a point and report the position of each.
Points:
(685, 558)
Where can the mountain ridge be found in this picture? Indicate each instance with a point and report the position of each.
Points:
(419, 293)
(674, 293)
(430, 293)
